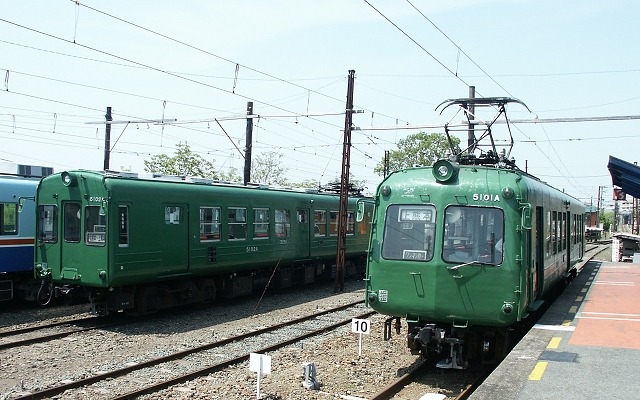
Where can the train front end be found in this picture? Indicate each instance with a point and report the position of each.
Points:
(445, 255)
(71, 231)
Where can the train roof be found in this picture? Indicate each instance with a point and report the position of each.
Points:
(192, 180)
(489, 166)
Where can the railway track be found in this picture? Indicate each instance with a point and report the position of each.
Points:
(309, 326)
(47, 332)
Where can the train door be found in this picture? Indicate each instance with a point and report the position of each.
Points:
(537, 273)
(71, 249)
(174, 238)
(304, 227)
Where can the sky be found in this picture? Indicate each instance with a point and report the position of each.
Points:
(195, 65)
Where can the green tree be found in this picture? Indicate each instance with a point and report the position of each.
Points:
(267, 168)
(184, 163)
(417, 149)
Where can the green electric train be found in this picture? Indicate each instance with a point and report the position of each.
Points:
(141, 244)
(465, 251)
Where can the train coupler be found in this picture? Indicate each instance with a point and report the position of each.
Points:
(455, 360)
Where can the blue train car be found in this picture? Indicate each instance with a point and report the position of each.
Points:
(17, 232)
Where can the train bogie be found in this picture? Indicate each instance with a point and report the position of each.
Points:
(139, 243)
(465, 252)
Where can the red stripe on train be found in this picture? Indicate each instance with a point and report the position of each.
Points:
(14, 242)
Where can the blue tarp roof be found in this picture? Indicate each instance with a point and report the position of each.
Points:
(625, 175)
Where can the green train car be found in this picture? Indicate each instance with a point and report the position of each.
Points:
(464, 253)
(140, 245)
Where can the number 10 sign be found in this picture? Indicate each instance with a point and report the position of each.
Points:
(360, 326)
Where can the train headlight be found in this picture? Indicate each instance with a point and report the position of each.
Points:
(507, 308)
(507, 193)
(68, 179)
(385, 190)
(444, 170)
(372, 297)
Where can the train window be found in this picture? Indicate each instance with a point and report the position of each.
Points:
(564, 231)
(95, 227)
(48, 224)
(333, 223)
(302, 216)
(123, 226)
(473, 234)
(554, 232)
(71, 222)
(548, 229)
(320, 220)
(351, 223)
(209, 223)
(172, 215)
(409, 232)
(261, 223)
(283, 223)
(237, 223)
(9, 218)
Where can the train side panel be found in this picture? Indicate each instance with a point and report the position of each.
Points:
(116, 232)
(17, 221)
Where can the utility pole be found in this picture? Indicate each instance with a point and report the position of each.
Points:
(107, 139)
(344, 187)
(385, 171)
(247, 145)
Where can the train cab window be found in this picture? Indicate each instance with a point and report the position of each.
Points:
(237, 223)
(261, 223)
(409, 232)
(71, 222)
(47, 224)
(364, 226)
(9, 218)
(123, 226)
(473, 234)
(209, 223)
(172, 215)
(95, 227)
(320, 220)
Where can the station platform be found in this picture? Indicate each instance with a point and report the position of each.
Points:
(585, 346)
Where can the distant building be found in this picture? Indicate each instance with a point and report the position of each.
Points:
(9, 168)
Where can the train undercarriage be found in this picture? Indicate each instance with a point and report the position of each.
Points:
(455, 347)
(154, 296)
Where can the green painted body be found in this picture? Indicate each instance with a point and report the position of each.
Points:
(456, 295)
(158, 250)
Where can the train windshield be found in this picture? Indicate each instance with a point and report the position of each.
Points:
(473, 234)
(409, 232)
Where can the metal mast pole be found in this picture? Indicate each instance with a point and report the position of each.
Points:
(248, 144)
(344, 187)
(107, 139)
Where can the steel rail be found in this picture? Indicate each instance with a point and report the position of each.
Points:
(55, 390)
